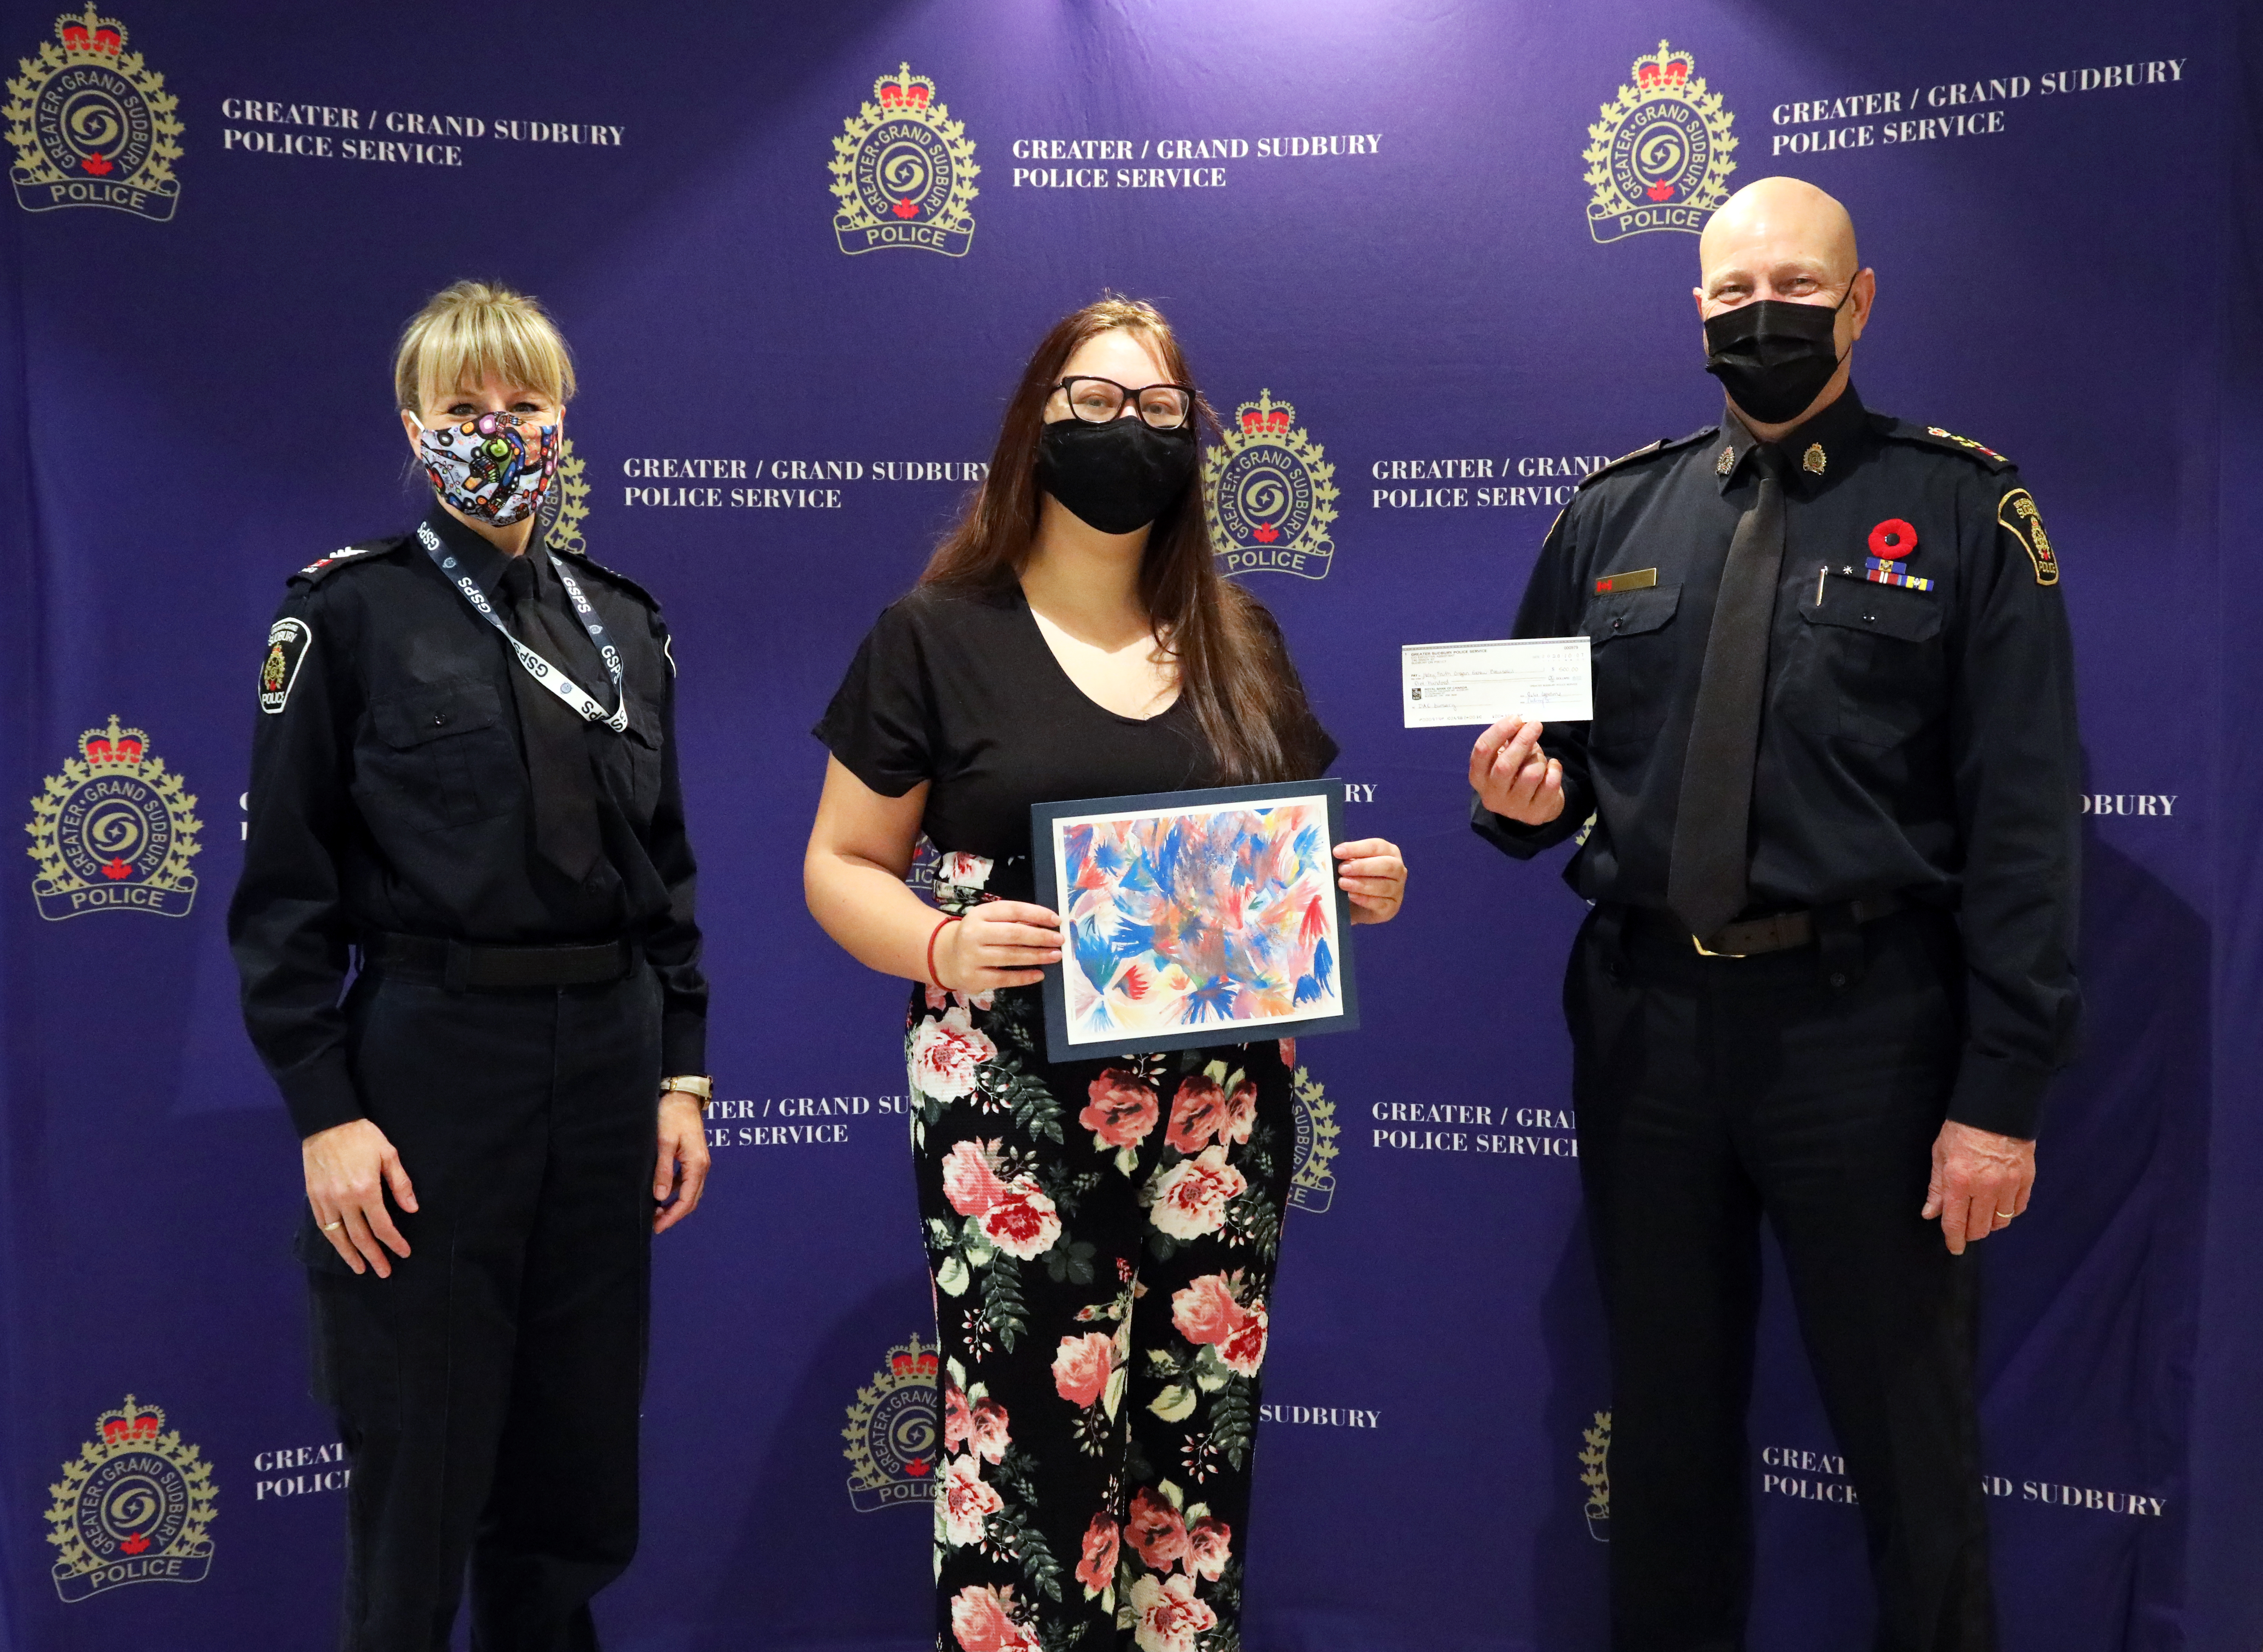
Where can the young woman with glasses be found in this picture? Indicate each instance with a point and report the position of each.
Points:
(1101, 1235)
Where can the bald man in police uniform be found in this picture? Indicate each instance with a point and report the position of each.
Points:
(1833, 780)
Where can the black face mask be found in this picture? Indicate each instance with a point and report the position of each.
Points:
(1118, 476)
(1774, 357)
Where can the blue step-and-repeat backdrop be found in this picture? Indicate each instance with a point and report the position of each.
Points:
(1432, 263)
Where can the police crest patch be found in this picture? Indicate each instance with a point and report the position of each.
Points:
(1659, 159)
(1271, 494)
(92, 125)
(904, 171)
(287, 642)
(2018, 518)
(114, 831)
(894, 1433)
(134, 1506)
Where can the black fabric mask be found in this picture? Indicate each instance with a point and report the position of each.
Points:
(1118, 476)
(1774, 357)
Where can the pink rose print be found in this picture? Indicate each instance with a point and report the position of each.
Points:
(967, 1501)
(957, 1421)
(1210, 1544)
(1196, 1112)
(945, 1052)
(1081, 1368)
(1240, 1113)
(941, 998)
(1245, 1350)
(1166, 1617)
(985, 1429)
(1096, 1571)
(1122, 1110)
(968, 1181)
(1023, 1223)
(1205, 1310)
(1190, 1197)
(982, 1620)
(1153, 1527)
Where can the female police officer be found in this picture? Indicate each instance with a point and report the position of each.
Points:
(464, 781)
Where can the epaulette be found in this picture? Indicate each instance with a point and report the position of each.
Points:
(1947, 441)
(584, 559)
(323, 568)
(1664, 444)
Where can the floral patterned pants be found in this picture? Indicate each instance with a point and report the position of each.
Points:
(1102, 1235)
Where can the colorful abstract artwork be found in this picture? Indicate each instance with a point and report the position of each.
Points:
(1195, 922)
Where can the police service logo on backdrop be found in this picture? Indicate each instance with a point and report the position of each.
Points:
(1659, 159)
(1271, 494)
(893, 1432)
(904, 172)
(114, 832)
(92, 125)
(1312, 1179)
(1596, 1476)
(566, 505)
(134, 1506)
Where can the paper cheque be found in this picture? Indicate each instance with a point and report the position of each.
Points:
(1445, 685)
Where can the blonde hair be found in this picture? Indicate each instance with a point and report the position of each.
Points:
(469, 331)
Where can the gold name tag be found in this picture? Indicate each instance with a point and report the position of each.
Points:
(1640, 580)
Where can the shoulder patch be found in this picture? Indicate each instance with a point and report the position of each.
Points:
(1948, 441)
(287, 642)
(2018, 518)
(323, 568)
(1664, 444)
(584, 559)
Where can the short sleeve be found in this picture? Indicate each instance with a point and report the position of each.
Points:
(881, 722)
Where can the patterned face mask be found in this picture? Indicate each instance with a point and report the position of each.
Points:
(495, 468)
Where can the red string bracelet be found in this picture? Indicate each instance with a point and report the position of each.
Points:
(933, 935)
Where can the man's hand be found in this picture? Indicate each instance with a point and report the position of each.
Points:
(1980, 1181)
(349, 1167)
(681, 1168)
(1513, 777)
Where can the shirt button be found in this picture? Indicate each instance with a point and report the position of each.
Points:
(1617, 623)
(438, 718)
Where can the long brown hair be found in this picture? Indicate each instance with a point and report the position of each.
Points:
(1233, 667)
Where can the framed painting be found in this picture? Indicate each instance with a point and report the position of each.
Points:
(1193, 917)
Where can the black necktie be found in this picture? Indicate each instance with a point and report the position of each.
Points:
(1706, 879)
(557, 749)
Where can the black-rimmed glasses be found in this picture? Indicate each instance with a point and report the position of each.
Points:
(1098, 400)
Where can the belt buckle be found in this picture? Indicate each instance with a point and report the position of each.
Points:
(1704, 951)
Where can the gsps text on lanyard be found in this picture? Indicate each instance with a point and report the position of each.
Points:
(540, 669)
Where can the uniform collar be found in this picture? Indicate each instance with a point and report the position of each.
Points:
(479, 559)
(1812, 452)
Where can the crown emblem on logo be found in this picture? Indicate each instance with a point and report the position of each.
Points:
(134, 1506)
(1312, 1179)
(91, 125)
(903, 172)
(893, 1434)
(1659, 158)
(114, 830)
(1271, 494)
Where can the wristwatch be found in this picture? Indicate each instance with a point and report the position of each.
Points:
(691, 1083)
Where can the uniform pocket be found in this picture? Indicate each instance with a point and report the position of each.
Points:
(1633, 642)
(442, 755)
(1870, 670)
(643, 740)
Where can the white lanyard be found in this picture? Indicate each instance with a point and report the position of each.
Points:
(541, 670)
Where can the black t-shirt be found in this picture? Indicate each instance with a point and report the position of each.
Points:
(961, 689)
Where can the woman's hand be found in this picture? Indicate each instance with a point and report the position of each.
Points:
(1513, 777)
(681, 1168)
(997, 944)
(349, 1167)
(1371, 873)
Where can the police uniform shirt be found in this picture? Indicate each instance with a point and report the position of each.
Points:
(1918, 727)
(389, 793)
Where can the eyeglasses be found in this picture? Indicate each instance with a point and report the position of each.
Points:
(1098, 400)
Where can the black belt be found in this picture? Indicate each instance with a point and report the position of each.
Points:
(1786, 930)
(460, 966)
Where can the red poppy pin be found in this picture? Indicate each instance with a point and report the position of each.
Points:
(1892, 537)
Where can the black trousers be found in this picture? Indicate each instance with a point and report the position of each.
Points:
(1713, 1092)
(488, 1393)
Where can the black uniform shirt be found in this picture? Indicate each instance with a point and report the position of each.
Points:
(1913, 740)
(389, 792)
